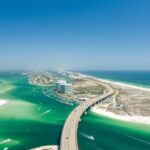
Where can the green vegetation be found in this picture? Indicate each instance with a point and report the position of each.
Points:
(79, 80)
(95, 90)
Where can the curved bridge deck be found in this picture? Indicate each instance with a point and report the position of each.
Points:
(69, 132)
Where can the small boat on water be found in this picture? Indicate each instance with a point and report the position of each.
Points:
(91, 137)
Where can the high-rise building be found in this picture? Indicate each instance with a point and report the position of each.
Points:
(63, 87)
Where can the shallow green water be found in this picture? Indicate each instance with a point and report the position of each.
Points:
(111, 134)
(30, 119)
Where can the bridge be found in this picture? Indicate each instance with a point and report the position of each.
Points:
(69, 133)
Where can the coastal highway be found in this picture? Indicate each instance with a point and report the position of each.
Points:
(68, 139)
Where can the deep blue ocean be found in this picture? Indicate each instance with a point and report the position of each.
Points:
(138, 78)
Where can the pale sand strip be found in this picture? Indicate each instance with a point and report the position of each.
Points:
(51, 147)
(2, 102)
(117, 83)
(125, 85)
(137, 119)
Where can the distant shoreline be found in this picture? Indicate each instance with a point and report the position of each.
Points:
(128, 85)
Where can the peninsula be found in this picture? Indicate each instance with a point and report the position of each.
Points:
(128, 103)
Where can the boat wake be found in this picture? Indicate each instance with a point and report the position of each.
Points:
(46, 112)
(90, 137)
(5, 141)
(137, 139)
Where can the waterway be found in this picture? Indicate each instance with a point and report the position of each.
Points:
(30, 119)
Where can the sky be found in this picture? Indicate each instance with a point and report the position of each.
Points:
(75, 34)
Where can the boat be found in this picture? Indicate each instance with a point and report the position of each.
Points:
(91, 137)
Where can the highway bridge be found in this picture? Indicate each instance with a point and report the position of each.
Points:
(69, 133)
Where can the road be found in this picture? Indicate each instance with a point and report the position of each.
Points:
(69, 133)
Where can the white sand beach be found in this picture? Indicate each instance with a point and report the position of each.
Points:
(125, 85)
(137, 119)
(51, 147)
(2, 102)
(117, 83)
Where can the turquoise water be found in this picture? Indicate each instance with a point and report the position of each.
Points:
(110, 134)
(31, 119)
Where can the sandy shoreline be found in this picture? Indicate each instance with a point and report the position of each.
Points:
(136, 119)
(2, 102)
(51, 147)
(103, 112)
(118, 83)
